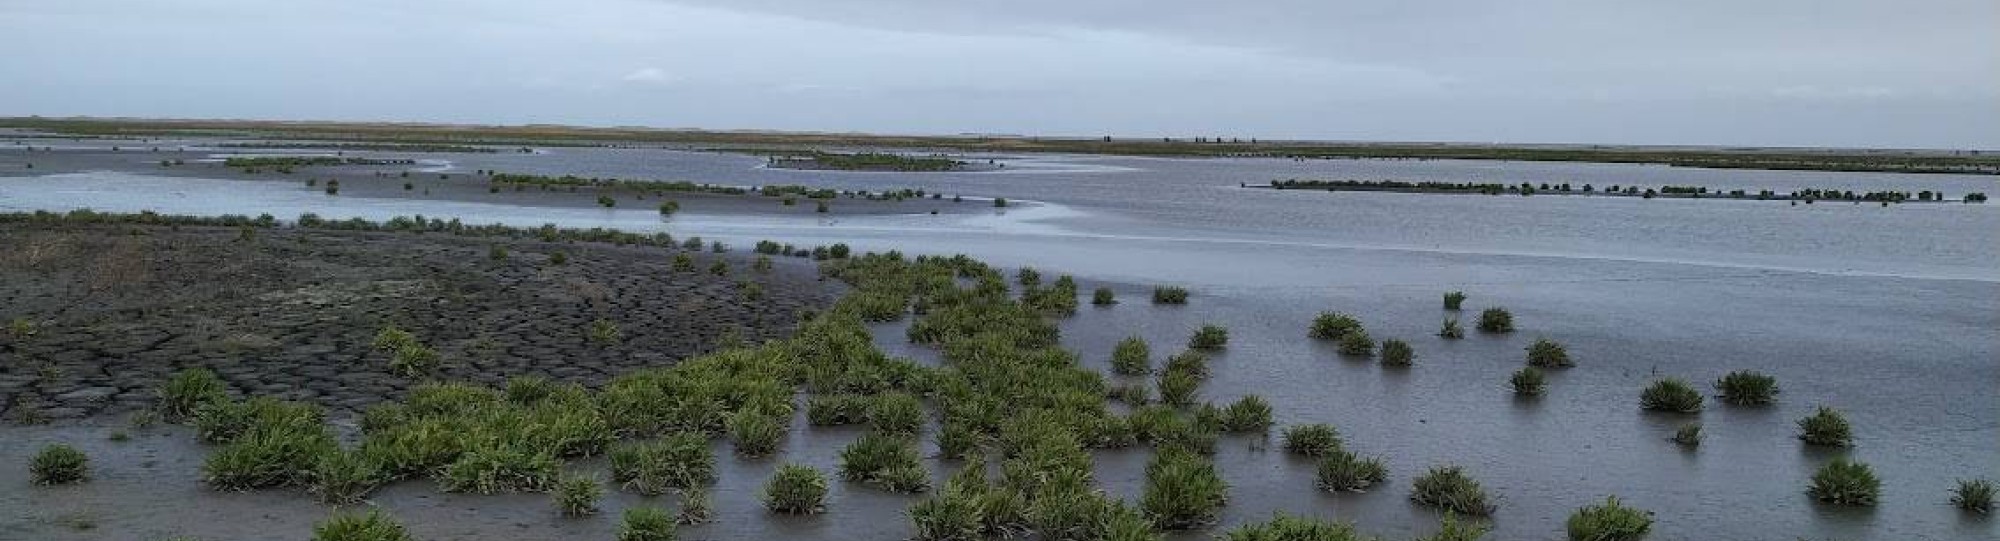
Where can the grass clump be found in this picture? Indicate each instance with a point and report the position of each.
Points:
(1448, 488)
(1397, 353)
(836, 410)
(1248, 414)
(1209, 337)
(1182, 491)
(1170, 295)
(59, 464)
(677, 461)
(1103, 297)
(1974, 495)
(577, 495)
(1451, 529)
(1342, 470)
(188, 390)
(1333, 326)
(1313, 440)
(1608, 522)
(1285, 527)
(1131, 357)
(648, 524)
(603, 332)
(1845, 482)
(1747, 388)
(797, 490)
(1357, 344)
(267, 443)
(371, 526)
(1496, 320)
(344, 477)
(695, 507)
(885, 461)
(1450, 329)
(494, 467)
(1671, 395)
(1453, 299)
(1546, 353)
(956, 515)
(1688, 435)
(895, 413)
(1529, 381)
(755, 434)
(1178, 387)
(1826, 427)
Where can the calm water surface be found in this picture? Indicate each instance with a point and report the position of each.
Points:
(1890, 314)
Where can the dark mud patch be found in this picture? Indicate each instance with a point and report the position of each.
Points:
(108, 312)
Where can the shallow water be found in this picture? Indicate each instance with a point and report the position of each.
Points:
(1889, 314)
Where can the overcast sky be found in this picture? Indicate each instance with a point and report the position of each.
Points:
(1909, 73)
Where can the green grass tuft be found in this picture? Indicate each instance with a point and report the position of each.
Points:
(1826, 427)
(1671, 395)
(188, 390)
(1342, 470)
(1313, 440)
(1844, 482)
(577, 495)
(1546, 353)
(1747, 388)
(1285, 527)
(1974, 495)
(372, 526)
(1397, 353)
(648, 524)
(1333, 326)
(1496, 320)
(678, 461)
(59, 464)
(1170, 295)
(1131, 357)
(1608, 522)
(796, 489)
(1450, 489)
(1209, 337)
(1182, 491)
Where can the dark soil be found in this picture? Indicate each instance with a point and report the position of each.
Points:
(96, 318)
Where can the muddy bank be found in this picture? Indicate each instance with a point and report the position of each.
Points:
(433, 178)
(109, 311)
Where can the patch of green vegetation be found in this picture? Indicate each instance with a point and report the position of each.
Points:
(1747, 387)
(1333, 326)
(577, 495)
(1313, 440)
(1357, 344)
(797, 490)
(59, 464)
(344, 477)
(1845, 482)
(644, 523)
(1248, 414)
(1103, 297)
(1285, 527)
(374, 525)
(1672, 395)
(1182, 491)
(1826, 427)
(1973, 495)
(1450, 489)
(187, 391)
(1453, 299)
(1451, 329)
(1546, 353)
(756, 434)
(1131, 357)
(1528, 381)
(1609, 521)
(1170, 295)
(1397, 353)
(603, 332)
(1688, 434)
(885, 461)
(1209, 337)
(1342, 470)
(1496, 320)
(678, 461)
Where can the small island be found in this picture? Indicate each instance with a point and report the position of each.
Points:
(874, 161)
(1679, 192)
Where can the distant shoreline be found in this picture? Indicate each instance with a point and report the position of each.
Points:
(1662, 192)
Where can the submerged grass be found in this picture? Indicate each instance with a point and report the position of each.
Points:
(1609, 521)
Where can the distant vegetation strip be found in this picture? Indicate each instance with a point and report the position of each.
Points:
(303, 161)
(865, 161)
(682, 186)
(1895, 161)
(380, 147)
(1684, 192)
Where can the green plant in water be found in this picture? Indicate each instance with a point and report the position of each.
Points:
(1609, 521)
(1357, 344)
(1845, 482)
(1209, 337)
(648, 524)
(1671, 395)
(1248, 414)
(1170, 295)
(1285, 527)
(1313, 440)
(895, 413)
(1528, 381)
(1747, 388)
(188, 390)
(1826, 427)
(1333, 326)
(755, 434)
(1397, 353)
(1496, 320)
(1546, 353)
(1342, 470)
(371, 526)
(603, 332)
(695, 507)
(796, 489)
(678, 461)
(1103, 297)
(1131, 357)
(344, 477)
(885, 461)
(1451, 529)
(1974, 495)
(1449, 488)
(1453, 299)
(1450, 329)
(577, 495)
(414, 360)
(1178, 387)
(59, 464)
(1182, 491)
(1688, 434)
(955, 515)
